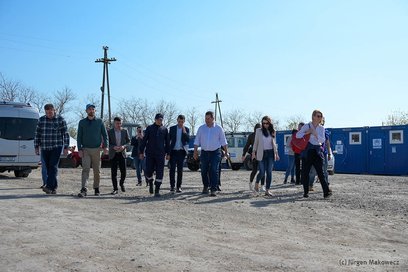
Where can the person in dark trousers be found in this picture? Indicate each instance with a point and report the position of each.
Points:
(156, 146)
(248, 149)
(297, 159)
(91, 138)
(210, 137)
(51, 137)
(179, 138)
(136, 142)
(118, 142)
(313, 154)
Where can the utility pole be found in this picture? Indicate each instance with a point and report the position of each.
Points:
(105, 61)
(217, 105)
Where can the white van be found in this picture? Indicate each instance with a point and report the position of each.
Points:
(18, 122)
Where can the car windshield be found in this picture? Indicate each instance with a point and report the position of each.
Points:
(14, 128)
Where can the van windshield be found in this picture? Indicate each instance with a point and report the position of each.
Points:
(14, 128)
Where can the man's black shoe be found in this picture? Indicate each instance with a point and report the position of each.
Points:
(114, 192)
(205, 191)
(179, 190)
(329, 194)
(172, 189)
(46, 190)
(218, 188)
(213, 193)
(97, 193)
(305, 195)
(83, 192)
(122, 188)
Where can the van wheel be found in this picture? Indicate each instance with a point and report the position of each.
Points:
(248, 163)
(235, 166)
(21, 173)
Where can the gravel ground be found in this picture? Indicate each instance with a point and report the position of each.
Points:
(361, 227)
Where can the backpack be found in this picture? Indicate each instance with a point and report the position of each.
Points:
(299, 144)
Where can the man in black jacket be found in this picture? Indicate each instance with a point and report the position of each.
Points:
(179, 139)
(156, 146)
(138, 163)
(248, 149)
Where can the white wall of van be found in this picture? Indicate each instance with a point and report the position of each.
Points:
(18, 122)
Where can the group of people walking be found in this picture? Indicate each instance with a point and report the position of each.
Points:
(157, 143)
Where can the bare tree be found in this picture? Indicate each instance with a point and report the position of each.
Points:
(234, 120)
(397, 118)
(293, 121)
(62, 99)
(9, 89)
(39, 100)
(251, 119)
(191, 119)
(169, 110)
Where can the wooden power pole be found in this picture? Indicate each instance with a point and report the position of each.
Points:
(105, 60)
(217, 105)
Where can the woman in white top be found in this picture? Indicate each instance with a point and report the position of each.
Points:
(313, 154)
(265, 151)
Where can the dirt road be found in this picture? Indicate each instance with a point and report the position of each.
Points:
(363, 226)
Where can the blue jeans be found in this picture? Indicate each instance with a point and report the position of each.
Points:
(138, 163)
(43, 171)
(51, 159)
(210, 162)
(266, 166)
(291, 167)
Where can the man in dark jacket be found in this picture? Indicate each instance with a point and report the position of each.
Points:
(118, 142)
(138, 163)
(156, 146)
(248, 149)
(178, 145)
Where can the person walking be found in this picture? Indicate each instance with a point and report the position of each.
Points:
(297, 158)
(156, 146)
(51, 136)
(248, 149)
(138, 164)
(118, 142)
(91, 138)
(290, 170)
(210, 137)
(265, 151)
(313, 154)
(179, 138)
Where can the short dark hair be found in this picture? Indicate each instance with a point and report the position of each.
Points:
(117, 119)
(48, 106)
(210, 113)
(182, 117)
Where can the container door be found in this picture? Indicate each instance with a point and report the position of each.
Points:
(376, 159)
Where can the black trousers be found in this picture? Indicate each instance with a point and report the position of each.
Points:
(297, 168)
(176, 160)
(116, 161)
(313, 159)
(255, 168)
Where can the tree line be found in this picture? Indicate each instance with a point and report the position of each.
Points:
(141, 111)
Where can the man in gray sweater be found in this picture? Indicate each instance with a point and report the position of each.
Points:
(91, 138)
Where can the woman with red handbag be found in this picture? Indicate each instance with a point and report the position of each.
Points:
(313, 154)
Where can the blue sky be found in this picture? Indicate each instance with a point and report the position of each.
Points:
(281, 58)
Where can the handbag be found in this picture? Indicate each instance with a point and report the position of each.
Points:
(299, 144)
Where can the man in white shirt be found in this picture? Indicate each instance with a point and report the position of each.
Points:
(210, 137)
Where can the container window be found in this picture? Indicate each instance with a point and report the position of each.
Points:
(241, 142)
(231, 142)
(355, 138)
(396, 137)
